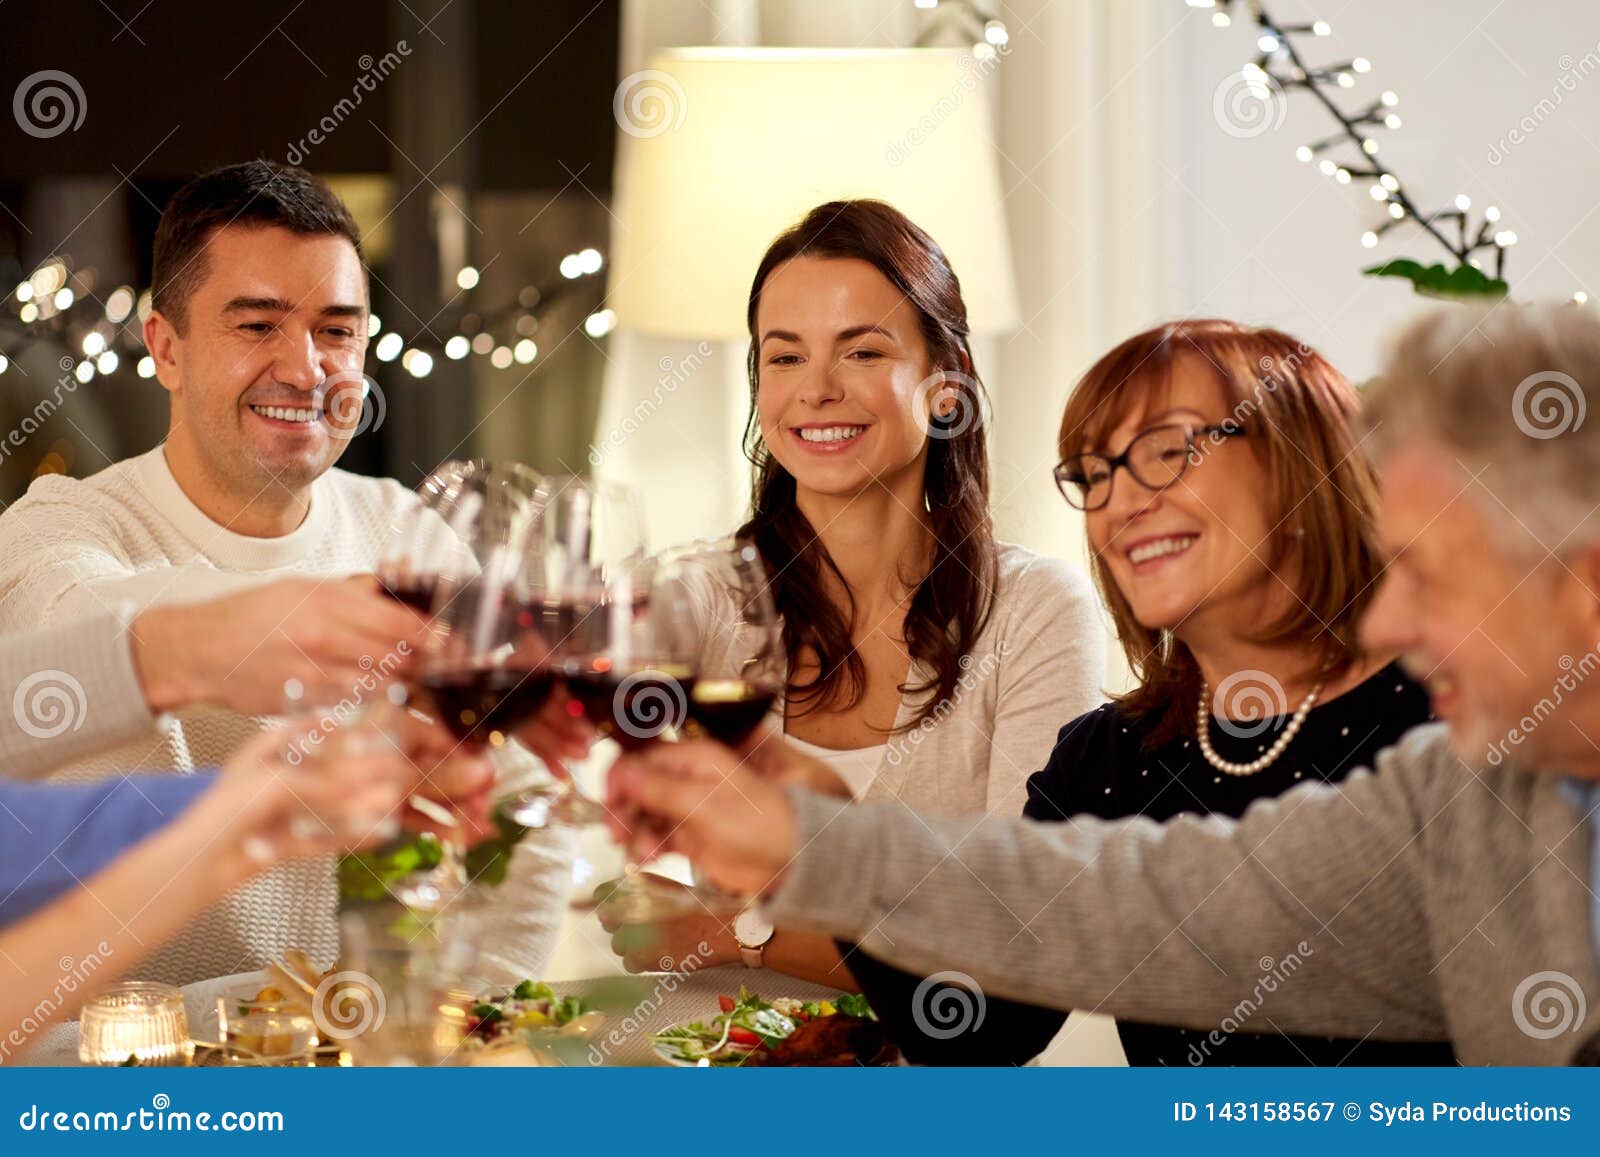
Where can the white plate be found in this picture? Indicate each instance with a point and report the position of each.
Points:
(665, 1051)
(668, 1053)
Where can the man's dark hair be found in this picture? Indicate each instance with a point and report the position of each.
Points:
(255, 193)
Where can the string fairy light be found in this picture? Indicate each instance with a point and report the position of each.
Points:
(53, 302)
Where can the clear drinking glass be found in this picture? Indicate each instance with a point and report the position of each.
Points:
(400, 997)
(276, 1032)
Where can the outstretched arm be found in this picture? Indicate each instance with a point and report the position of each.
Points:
(1169, 923)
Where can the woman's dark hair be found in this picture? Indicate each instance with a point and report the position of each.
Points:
(952, 601)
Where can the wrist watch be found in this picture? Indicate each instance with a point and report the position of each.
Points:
(752, 930)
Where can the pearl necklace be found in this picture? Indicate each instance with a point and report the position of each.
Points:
(1203, 727)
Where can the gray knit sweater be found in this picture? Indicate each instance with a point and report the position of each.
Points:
(1441, 900)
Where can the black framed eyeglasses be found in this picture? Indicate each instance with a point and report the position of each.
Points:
(1156, 458)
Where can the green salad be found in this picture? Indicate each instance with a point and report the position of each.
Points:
(528, 1006)
(747, 1024)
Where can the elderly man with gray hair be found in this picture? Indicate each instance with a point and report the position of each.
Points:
(1451, 894)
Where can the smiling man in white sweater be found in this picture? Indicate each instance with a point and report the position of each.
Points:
(237, 539)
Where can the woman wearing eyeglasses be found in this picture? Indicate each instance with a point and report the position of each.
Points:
(1228, 510)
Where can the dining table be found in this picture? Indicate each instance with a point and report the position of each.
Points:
(662, 999)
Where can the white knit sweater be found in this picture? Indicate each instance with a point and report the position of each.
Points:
(128, 538)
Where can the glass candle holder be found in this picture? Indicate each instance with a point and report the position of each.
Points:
(135, 1022)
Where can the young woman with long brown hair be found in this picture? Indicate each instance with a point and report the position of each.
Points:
(927, 662)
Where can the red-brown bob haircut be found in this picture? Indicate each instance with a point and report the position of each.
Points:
(1298, 414)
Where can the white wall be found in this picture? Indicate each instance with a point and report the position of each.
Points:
(1130, 204)
(1268, 239)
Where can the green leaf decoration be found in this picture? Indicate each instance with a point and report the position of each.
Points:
(1463, 282)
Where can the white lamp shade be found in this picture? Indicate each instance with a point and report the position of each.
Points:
(732, 146)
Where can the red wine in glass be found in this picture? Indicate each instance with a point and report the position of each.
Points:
(634, 706)
(486, 704)
(728, 710)
(578, 626)
(414, 591)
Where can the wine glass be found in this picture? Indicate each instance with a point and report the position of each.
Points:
(741, 660)
(467, 513)
(585, 581)
(484, 670)
(623, 649)
(415, 871)
(638, 690)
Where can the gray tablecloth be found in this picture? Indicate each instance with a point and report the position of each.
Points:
(662, 999)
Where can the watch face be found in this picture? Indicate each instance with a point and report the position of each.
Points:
(752, 928)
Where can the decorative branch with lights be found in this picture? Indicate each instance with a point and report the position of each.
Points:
(987, 32)
(1350, 154)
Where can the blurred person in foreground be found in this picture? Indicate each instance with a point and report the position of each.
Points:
(1449, 894)
(102, 874)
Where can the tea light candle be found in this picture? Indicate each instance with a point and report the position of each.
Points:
(136, 1019)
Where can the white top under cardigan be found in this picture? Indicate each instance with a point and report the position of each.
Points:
(1039, 663)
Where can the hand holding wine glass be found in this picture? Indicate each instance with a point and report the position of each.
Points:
(697, 797)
